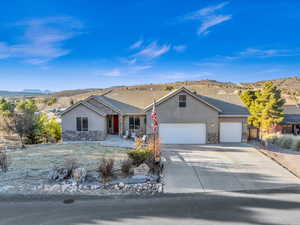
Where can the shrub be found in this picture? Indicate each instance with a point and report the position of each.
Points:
(168, 88)
(297, 146)
(138, 143)
(139, 156)
(271, 138)
(54, 130)
(70, 164)
(286, 142)
(127, 167)
(3, 161)
(106, 169)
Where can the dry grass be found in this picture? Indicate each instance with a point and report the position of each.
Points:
(45, 156)
(29, 167)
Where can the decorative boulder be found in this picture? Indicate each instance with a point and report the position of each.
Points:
(58, 174)
(141, 170)
(79, 174)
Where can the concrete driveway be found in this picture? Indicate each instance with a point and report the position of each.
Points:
(235, 167)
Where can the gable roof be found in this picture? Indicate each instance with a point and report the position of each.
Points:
(228, 109)
(122, 107)
(129, 102)
(87, 105)
(173, 93)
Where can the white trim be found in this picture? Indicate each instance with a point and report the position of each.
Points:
(87, 105)
(234, 115)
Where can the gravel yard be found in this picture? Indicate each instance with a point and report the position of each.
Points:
(29, 167)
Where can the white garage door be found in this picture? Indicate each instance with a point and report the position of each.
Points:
(230, 132)
(182, 133)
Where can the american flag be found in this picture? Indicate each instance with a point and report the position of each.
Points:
(154, 118)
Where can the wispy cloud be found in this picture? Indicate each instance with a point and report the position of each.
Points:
(249, 53)
(266, 53)
(212, 21)
(153, 50)
(139, 68)
(208, 17)
(122, 71)
(42, 40)
(136, 44)
(112, 73)
(179, 48)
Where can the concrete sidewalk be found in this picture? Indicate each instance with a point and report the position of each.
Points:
(208, 168)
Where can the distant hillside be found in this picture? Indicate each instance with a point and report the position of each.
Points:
(287, 85)
(222, 90)
(18, 93)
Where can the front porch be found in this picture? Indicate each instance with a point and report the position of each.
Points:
(128, 125)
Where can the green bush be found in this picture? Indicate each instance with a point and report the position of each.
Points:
(139, 156)
(286, 142)
(168, 88)
(297, 146)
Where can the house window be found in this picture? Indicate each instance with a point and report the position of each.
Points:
(82, 124)
(182, 101)
(134, 123)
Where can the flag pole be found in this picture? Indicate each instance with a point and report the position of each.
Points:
(154, 128)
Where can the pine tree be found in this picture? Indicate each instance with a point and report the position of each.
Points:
(265, 106)
(269, 103)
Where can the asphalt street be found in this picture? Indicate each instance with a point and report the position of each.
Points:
(277, 206)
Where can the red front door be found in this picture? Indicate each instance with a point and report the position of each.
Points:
(116, 124)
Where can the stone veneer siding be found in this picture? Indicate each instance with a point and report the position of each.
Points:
(71, 135)
(212, 138)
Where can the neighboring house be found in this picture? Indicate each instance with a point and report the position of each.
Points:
(184, 118)
(291, 122)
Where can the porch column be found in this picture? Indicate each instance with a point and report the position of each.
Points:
(120, 125)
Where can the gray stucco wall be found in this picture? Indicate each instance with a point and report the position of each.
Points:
(96, 123)
(242, 120)
(194, 112)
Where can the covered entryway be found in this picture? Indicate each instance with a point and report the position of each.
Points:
(230, 132)
(113, 124)
(182, 133)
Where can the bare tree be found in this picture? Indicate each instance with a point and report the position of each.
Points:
(20, 123)
(3, 161)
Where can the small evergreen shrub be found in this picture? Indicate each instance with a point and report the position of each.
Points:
(168, 88)
(139, 156)
(297, 146)
(286, 142)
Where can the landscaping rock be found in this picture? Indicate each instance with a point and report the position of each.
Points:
(79, 175)
(58, 174)
(141, 170)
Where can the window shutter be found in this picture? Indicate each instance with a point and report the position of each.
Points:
(78, 123)
(85, 124)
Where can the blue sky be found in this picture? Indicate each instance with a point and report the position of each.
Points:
(74, 44)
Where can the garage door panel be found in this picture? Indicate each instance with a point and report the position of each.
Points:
(231, 132)
(182, 133)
